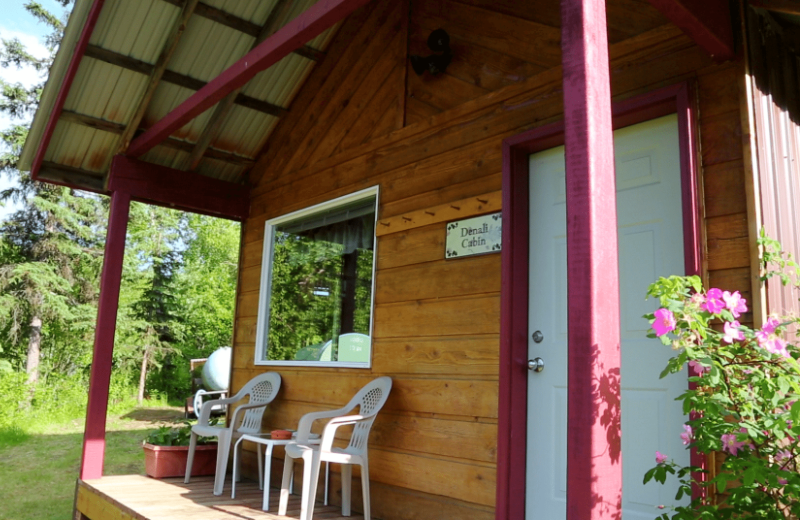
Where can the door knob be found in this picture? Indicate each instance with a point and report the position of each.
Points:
(536, 364)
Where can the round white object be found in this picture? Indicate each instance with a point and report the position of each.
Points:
(217, 370)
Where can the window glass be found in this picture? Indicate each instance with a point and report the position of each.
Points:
(318, 302)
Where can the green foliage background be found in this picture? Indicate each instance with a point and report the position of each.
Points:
(179, 278)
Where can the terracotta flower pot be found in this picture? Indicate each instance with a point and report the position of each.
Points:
(170, 461)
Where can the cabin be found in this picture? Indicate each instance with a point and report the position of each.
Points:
(468, 196)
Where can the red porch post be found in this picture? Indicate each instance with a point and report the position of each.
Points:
(594, 461)
(94, 437)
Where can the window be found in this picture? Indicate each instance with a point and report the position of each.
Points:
(317, 284)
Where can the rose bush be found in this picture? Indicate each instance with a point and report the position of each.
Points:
(743, 401)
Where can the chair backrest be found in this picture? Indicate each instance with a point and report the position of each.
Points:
(370, 400)
(262, 389)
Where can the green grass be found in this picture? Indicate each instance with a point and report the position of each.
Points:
(40, 464)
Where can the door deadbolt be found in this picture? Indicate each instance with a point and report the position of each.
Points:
(537, 336)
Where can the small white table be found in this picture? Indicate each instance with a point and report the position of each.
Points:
(267, 440)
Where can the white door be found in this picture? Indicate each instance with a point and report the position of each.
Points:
(650, 245)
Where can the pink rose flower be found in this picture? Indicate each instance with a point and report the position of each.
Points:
(775, 345)
(660, 458)
(664, 322)
(714, 302)
(698, 367)
(732, 332)
(731, 444)
(735, 303)
(771, 324)
(688, 435)
(783, 456)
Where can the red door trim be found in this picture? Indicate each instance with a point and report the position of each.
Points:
(512, 407)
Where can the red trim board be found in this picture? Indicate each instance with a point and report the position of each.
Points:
(186, 191)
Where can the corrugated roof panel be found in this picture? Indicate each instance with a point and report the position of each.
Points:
(165, 99)
(105, 91)
(220, 170)
(207, 48)
(255, 12)
(267, 85)
(243, 131)
(167, 156)
(81, 147)
(125, 98)
(137, 29)
(97, 157)
(148, 42)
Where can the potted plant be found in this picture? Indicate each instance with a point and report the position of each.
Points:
(167, 448)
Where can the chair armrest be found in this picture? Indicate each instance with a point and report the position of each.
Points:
(215, 392)
(205, 411)
(306, 421)
(329, 433)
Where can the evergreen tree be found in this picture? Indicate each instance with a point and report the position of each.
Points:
(48, 274)
(179, 277)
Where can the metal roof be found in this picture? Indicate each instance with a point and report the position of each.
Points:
(113, 75)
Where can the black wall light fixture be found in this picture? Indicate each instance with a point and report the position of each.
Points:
(439, 42)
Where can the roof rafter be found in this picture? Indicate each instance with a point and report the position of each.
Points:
(185, 146)
(305, 27)
(708, 23)
(245, 26)
(70, 176)
(142, 67)
(173, 38)
(214, 125)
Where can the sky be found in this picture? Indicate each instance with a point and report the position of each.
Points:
(16, 22)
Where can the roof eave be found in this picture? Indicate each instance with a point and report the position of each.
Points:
(54, 84)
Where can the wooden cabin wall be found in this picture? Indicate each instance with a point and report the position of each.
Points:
(436, 322)
(492, 45)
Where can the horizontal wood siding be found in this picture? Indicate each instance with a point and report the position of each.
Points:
(496, 44)
(436, 321)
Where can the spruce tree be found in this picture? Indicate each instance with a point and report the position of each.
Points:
(53, 244)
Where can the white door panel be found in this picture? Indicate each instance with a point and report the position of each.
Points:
(650, 245)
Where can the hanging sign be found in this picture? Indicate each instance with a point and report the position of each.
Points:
(474, 236)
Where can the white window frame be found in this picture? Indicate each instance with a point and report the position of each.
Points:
(262, 324)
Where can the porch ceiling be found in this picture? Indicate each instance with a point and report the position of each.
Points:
(143, 59)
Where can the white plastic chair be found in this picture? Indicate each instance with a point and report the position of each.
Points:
(370, 400)
(262, 389)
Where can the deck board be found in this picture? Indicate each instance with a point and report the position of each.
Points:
(136, 497)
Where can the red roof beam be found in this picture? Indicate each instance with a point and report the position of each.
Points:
(186, 191)
(72, 69)
(293, 35)
(708, 23)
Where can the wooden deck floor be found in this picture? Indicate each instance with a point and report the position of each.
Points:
(130, 497)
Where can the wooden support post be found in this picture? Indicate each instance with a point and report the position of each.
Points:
(594, 460)
(94, 437)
